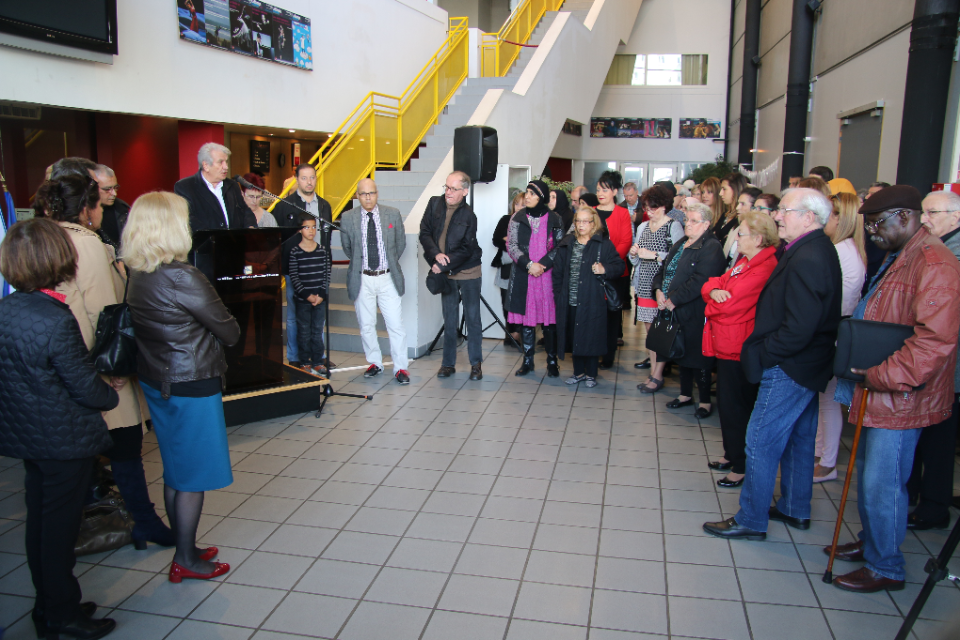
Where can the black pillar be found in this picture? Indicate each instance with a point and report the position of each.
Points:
(798, 92)
(748, 95)
(932, 40)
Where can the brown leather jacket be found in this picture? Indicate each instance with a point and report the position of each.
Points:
(180, 323)
(921, 288)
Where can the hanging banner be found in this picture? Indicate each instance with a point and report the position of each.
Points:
(630, 127)
(248, 27)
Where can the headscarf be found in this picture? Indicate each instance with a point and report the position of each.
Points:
(540, 188)
(590, 199)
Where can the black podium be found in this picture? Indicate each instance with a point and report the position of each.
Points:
(244, 267)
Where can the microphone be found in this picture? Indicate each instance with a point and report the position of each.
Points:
(246, 184)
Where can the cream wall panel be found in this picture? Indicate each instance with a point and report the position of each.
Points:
(846, 27)
(775, 21)
(769, 147)
(772, 75)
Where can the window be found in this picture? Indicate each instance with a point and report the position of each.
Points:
(658, 70)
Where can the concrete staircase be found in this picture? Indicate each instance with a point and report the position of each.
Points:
(401, 189)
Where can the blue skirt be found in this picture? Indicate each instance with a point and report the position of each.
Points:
(192, 436)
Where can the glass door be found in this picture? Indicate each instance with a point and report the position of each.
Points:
(635, 173)
(663, 171)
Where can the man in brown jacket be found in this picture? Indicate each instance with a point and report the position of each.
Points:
(917, 285)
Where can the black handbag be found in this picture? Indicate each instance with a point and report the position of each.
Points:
(114, 350)
(106, 525)
(611, 293)
(862, 344)
(665, 337)
(438, 283)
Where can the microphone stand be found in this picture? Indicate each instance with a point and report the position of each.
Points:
(328, 391)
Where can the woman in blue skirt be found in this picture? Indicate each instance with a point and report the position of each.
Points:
(181, 324)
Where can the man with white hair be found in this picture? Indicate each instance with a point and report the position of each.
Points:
(115, 210)
(216, 201)
(790, 354)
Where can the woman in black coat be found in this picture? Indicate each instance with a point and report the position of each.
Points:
(504, 266)
(688, 266)
(50, 404)
(581, 260)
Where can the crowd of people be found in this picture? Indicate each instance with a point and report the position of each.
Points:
(754, 283)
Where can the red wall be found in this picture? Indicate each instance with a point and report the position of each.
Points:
(561, 169)
(192, 136)
(142, 152)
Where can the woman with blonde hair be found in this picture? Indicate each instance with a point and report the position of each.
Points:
(845, 228)
(710, 196)
(180, 324)
(73, 201)
(731, 187)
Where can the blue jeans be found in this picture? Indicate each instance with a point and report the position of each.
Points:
(782, 433)
(310, 320)
(293, 353)
(884, 463)
(469, 290)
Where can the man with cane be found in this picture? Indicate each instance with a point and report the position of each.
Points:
(918, 285)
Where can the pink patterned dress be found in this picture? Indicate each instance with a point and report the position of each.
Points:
(540, 305)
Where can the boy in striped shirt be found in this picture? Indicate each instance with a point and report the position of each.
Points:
(310, 277)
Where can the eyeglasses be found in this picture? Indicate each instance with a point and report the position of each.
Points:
(930, 213)
(692, 221)
(449, 189)
(368, 194)
(744, 235)
(115, 188)
(761, 208)
(786, 211)
(872, 227)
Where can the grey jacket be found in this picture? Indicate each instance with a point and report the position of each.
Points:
(351, 240)
(954, 245)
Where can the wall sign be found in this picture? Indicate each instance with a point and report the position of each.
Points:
(630, 127)
(248, 27)
(260, 156)
(699, 128)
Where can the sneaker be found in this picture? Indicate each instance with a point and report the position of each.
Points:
(308, 369)
(372, 371)
(575, 379)
(590, 382)
(321, 370)
(403, 377)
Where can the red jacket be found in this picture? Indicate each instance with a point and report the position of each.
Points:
(730, 323)
(920, 289)
(621, 232)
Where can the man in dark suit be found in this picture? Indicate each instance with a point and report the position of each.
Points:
(115, 210)
(216, 202)
(790, 354)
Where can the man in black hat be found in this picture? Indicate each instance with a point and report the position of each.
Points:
(918, 285)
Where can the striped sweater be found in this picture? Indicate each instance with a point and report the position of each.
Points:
(310, 271)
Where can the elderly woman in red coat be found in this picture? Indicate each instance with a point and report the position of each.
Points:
(731, 308)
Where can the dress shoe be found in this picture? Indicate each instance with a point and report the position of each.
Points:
(40, 621)
(525, 368)
(729, 528)
(446, 372)
(797, 523)
(677, 403)
(865, 581)
(476, 373)
(657, 385)
(850, 552)
(726, 482)
(209, 554)
(81, 627)
(831, 475)
(178, 573)
(642, 365)
(702, 413)
(920, 524)
(720, 466)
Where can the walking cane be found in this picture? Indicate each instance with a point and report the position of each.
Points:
(828, 574)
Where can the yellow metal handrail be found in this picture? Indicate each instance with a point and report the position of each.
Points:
(384, 130)
(498, 51)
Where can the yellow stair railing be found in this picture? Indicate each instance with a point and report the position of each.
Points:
(384, 130)
(498, 51)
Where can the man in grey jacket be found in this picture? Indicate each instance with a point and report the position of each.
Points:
(373, 239)
(932, 477)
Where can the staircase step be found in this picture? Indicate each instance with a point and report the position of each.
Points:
(344, 316)
(348, 339)
(403, 178)
(406, 192)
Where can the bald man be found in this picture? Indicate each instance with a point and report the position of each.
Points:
(372, 236)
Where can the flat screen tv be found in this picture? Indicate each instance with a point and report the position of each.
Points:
(84, 24)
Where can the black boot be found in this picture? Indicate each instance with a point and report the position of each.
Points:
(550, 346)
(148, 527)
(528, 337)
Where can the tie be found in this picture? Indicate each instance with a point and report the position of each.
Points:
(373, 251)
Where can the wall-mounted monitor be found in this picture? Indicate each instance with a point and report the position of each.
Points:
(83, 24)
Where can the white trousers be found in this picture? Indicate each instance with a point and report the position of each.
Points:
(374, 291)
(829, 427)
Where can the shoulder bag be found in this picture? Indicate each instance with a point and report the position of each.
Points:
(114, 350)
(665, 337)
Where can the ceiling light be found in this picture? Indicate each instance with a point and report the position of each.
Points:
(292, 130)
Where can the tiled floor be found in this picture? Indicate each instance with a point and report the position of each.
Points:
(514, 508)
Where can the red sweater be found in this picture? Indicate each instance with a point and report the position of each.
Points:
(730, 323)
(621, 232)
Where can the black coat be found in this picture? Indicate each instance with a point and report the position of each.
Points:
(517, 300)
(498, 241)
(462, 246)
(51, 396)
(205, 211)
(590, 332)
(797, 315)
(287, 214)
(114, 220)
(698, 263)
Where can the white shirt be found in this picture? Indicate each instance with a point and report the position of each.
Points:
(217, 191)
(364, 225)
(853, 273)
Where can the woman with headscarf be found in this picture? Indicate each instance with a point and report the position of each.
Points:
(560, 205)
(532, 238)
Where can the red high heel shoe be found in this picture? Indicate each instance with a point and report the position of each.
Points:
(178, 573)
(209, 553)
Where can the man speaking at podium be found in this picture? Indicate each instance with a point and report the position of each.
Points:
(215, 201)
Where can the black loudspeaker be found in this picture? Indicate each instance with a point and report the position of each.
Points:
(475, 152)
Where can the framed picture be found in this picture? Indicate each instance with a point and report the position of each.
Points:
(699, 128)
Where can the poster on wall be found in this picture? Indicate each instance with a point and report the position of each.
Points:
(630, 127)
(248, 27)
(699, 128)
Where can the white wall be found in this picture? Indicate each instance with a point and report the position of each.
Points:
(158, 74)
(666, 26)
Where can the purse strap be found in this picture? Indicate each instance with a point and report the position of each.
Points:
(126, 281)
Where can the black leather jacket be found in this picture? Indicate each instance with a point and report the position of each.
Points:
(180, 323)
(462, 246)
